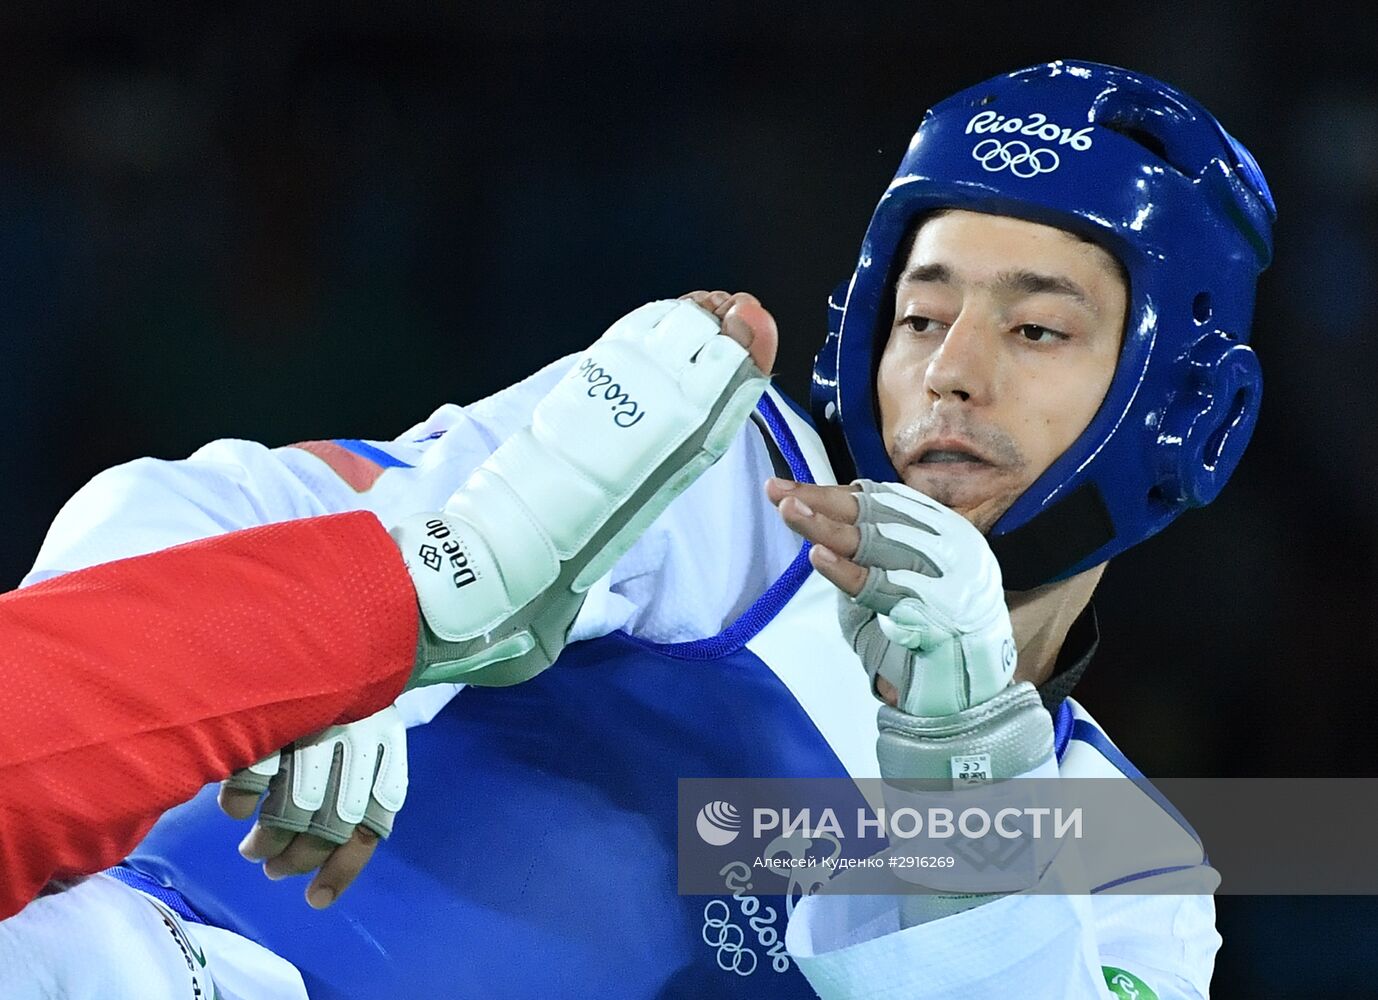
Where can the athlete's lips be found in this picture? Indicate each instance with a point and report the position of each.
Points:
(951, 451)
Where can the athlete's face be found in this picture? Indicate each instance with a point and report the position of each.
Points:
(1005, 339)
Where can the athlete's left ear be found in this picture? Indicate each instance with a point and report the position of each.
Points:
(1206, 427)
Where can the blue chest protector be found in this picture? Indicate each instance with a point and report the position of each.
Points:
(536, 855)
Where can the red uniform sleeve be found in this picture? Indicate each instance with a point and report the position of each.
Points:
(126, 687)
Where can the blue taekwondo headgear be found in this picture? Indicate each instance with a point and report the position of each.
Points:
(1147, 173)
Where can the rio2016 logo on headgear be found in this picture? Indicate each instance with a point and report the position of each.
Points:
(1016, 155)
(718, 823)
(1037, 127)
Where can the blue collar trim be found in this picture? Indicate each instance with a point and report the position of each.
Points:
(768, 605)
(1062, 729)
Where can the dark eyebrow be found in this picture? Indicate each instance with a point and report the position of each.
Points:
(1031, 283)
(929, 272)
(1021, 282)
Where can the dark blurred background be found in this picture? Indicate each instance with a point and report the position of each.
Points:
(305, 222)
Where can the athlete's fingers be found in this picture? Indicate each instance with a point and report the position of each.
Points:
(842, 573)
(748, 323)
(711, 301)
(341, 868)
(264, 842)
(238, 803)
(745, 320)
(718, 302)
(304, 854)
(841, 537)
(836, 502)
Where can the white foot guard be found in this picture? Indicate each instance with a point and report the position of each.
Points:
(501, 573)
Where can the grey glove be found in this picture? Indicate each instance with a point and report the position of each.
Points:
(931, 617)
(931, 620)
(348, 776)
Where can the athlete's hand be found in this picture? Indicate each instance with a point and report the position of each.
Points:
(926, 610)
(922, 605)
(330, 798)
(502, 571)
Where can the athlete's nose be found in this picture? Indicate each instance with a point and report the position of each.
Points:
(962, 368)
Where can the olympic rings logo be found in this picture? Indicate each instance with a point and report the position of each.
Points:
(729, 940)
(1022, 161)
